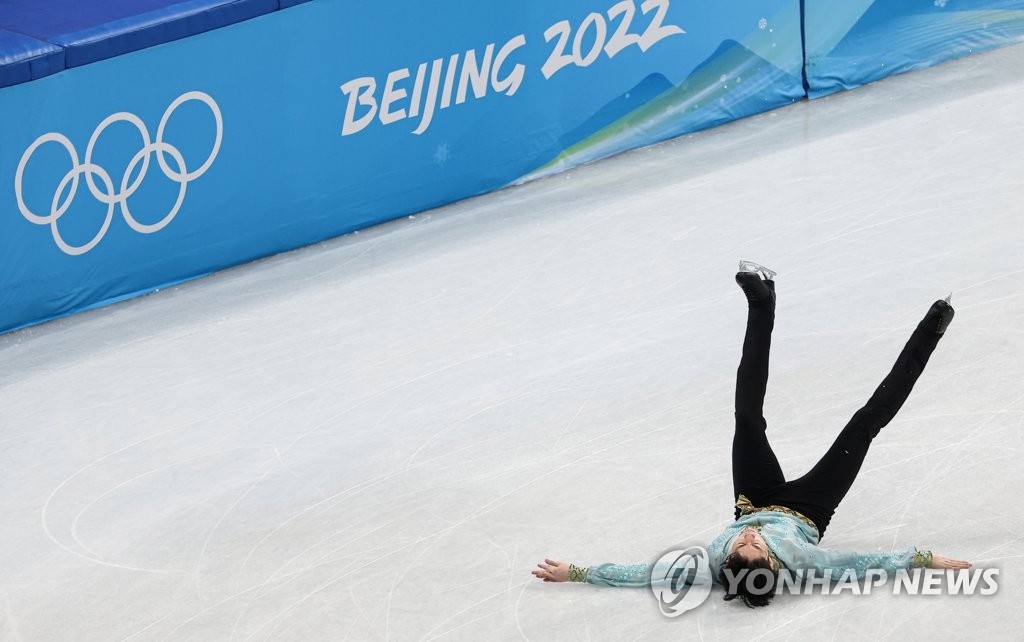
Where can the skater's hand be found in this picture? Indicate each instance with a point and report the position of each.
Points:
(938, 561)
(552, 571)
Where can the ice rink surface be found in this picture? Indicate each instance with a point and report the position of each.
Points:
(379, 437)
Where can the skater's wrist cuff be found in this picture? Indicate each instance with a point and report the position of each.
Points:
(578, 573)
(922, 559)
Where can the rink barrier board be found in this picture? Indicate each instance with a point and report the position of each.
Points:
(217, 149)
(856, 42)
(213, 149)
(43, 37)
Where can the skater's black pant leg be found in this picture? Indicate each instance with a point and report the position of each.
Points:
(818, 493)
(755, 469)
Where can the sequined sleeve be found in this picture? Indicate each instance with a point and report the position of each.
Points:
(630, 575)
(839, 561)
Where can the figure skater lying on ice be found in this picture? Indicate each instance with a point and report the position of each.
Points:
(779, 523)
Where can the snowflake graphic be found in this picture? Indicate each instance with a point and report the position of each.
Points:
(442, 153)
(762, 24)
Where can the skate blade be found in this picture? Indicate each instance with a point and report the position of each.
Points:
(750, 266)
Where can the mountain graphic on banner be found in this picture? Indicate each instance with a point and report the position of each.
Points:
(647, 90)
(731, 83)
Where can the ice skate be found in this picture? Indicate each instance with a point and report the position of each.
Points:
(756, 282)
(939, 316)
(756, 268)
(757, 290)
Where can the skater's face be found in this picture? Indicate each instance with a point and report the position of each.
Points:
(750, 545)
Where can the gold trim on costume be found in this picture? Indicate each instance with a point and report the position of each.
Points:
(746, 508)
(577, 573)
(922, 559)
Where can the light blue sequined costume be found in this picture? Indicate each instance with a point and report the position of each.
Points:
(791, 540)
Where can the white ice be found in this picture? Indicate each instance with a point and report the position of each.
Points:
(379, 437)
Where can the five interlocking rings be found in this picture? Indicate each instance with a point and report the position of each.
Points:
(108, 195)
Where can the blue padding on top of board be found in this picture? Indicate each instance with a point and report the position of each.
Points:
(23, 58)
(91, 30)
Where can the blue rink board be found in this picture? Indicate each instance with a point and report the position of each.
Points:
(41, 37)
(855, 42)
(180, 138)
(24, 58)
(208, 151)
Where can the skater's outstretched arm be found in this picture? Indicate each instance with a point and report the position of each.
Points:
(623, 575)
(838, 561)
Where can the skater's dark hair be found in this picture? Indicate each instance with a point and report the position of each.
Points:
(754, 588)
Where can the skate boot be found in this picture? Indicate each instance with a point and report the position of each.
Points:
(756, 282)
(939, 316)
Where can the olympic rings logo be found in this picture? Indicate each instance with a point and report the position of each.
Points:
(108, 195)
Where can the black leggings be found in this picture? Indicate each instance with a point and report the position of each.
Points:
(755, 470)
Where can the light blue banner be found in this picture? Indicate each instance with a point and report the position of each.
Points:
(172, 162)
(854, 42)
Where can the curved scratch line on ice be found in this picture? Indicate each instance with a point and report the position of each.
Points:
(515, 613)
(401, 576)
(209, 536)
(398, 580)
(398, 386)
(339, 414)
(74, 524)
(146, 628)
(46, 507)
(452, 426)
(1000, 276)
(964, 440)
(467, 622)
(486, 507)
(625, 426)
(284, 579)
(316, 564)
